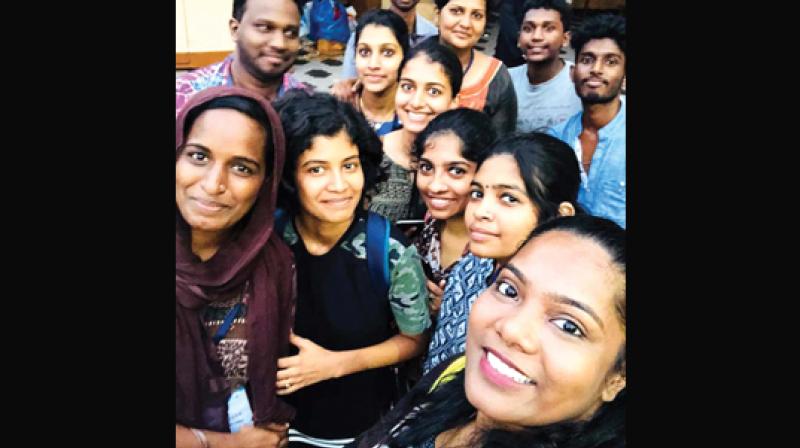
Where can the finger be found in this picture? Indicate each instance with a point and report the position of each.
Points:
(296, 340)
(288, 361)
(287, 374)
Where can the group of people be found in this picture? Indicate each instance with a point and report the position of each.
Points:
(431, 255)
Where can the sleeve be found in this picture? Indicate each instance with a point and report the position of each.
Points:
(349, 62)
(501, 103)
(408, 295)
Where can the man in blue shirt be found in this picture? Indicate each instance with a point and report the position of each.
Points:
(597, 133)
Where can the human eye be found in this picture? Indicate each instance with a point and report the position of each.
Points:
(351, 166)
(197, 157)
(456, 10)
(406, 86)
(551, 28)
(475, 194)
(363, 52)
(291, 33)
(526, 28)
(264, 27)
(457, 171)
(316, 170)
(586, 59)
(612, 61)
(509, 198)
(506, 289)
(569, 327)
(243, 169)
(477, 15)
(388, 52)
(434, 91)
(425, 167)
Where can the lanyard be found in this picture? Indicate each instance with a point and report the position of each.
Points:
(226, 325)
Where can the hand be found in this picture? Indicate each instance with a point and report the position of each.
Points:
(346, 90)
(272, 435)
(312, 365)
(436, 292)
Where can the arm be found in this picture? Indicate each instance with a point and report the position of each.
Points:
(272, 435)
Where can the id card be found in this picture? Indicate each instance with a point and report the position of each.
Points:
(239, 412)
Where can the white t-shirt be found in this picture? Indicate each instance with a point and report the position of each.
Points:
(543, 105)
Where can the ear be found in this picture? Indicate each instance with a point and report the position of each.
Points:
(233, 25)
(566, 209)
(614, 384)
(567, 37)
(454, 103)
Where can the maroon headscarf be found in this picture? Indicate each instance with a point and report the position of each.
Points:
(255, 254)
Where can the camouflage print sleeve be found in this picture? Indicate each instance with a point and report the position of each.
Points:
(408, 295)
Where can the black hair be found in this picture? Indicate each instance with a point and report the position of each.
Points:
(447, 407)
(440, 4)
(560, 6)
(242, 104)
(548, 167)
(305, 116)
(467, 124)
(438, 54)
(388, 19)
(240, 5)
(601, 26)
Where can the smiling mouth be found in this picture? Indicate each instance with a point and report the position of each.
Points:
(337, 202)
(209, 206)
(506, 370)
(417, 116)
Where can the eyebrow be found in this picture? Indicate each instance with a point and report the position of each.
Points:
(560, 298)
(325, 162)
(602, 55)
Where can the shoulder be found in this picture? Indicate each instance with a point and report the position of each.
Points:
(562, 130)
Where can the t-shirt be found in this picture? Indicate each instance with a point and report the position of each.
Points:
(543, 105)
(338, 308)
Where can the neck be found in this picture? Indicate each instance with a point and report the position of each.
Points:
(320, 234)
(456, 226)
(205, 243)
(539, 72)
(463, 54)
(409, 16)
(595, 116)
(243, 78)
(379, 104)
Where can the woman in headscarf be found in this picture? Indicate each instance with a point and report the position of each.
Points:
(234, 282)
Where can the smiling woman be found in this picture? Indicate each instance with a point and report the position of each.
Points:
(234, 278)
(349, 331)
(545, 360)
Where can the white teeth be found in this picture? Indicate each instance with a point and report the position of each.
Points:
(416, 116)
(505, 370)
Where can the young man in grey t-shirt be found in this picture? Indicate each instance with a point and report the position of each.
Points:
(545, 92)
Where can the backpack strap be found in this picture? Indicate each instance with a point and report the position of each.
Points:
(378, 252)
(281, 219)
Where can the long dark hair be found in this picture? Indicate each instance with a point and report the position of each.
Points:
(447, 406)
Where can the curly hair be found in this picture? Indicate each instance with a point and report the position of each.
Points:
(305, 116)
(602, 26)
(560, 6)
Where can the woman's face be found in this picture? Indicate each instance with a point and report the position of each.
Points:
(500, 215)
(378, 58)
(444, 176)
(543, 340)
(329, 178)
(424, 93)
(461, 23)
(220, 170)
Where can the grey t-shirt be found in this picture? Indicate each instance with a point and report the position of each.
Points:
(543, 105)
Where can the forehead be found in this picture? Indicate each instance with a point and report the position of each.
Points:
(562, 263)
(283, 12)
(228, 130)
(443, 146)
(422, 70)
(500, 169)
(468, 4)
(539, 15)
(602, 47)
(329, 149)
(377, 35)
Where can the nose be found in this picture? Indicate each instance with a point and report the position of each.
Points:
(374, 60)
(597, 67)
(337, 183)
(483, 211)
(520, 329)
(538, 34)
(214, 182)
(417, 99)
(436, 185)
(278, 40)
